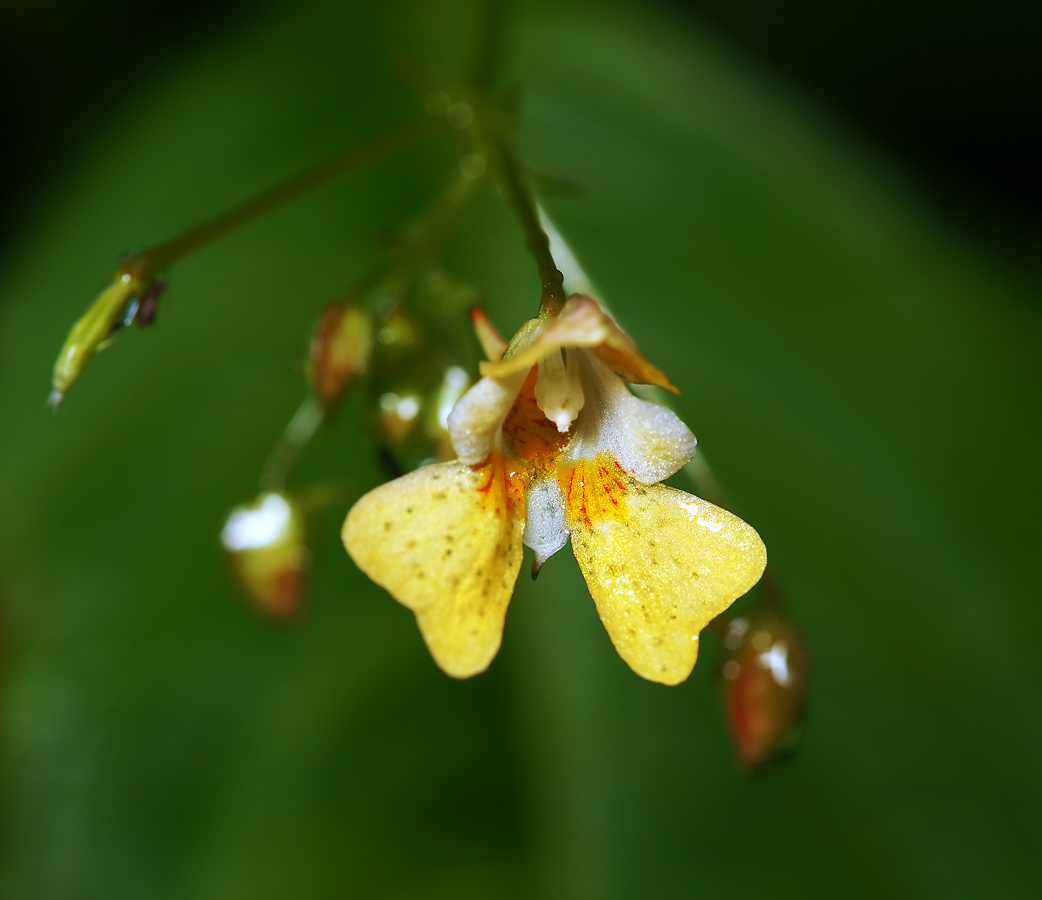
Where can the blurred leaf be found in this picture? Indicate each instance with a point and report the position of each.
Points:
(866, 383)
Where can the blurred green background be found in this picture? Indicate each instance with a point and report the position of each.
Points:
(862, 370)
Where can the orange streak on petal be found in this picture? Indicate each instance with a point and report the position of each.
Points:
(593, 491)
(502, 486)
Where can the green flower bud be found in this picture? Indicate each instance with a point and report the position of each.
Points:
(126, 298)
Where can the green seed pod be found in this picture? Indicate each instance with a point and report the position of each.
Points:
(126, 298)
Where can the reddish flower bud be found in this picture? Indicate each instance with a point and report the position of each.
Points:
(265, 544)
(765, 678)
(341, 347)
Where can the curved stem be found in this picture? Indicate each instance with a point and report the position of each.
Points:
(424, 236)
(147, 263)
(298, 434)
(519, 195)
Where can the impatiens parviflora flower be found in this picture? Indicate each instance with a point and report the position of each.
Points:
(551, 444)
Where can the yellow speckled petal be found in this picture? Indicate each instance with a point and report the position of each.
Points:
(660, 564)
(445, 541)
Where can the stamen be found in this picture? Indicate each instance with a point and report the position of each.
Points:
(558, 389)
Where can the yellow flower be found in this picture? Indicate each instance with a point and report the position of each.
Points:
(552, 445)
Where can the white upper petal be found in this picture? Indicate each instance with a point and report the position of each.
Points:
(478, 415)
(546, 526)
(648, 440)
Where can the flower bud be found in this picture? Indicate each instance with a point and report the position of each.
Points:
(266, 546)
(765, 679)
(341, 347)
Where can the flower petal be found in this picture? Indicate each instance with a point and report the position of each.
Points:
(479, 413)
(546, 527)
(583, 324)
(649, 441)
(660, 567)
(492, 342)
(445, 541)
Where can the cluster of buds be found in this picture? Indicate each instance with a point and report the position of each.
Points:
(407, 359)
(394, 344)
(765, 675)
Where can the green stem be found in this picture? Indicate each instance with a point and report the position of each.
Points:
(147, 263)
(95, 327)
(518, 194)
(424, 236)
(512, 179)
(298, 434)
(490, 49)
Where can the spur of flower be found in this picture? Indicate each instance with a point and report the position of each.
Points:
(552, 445)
